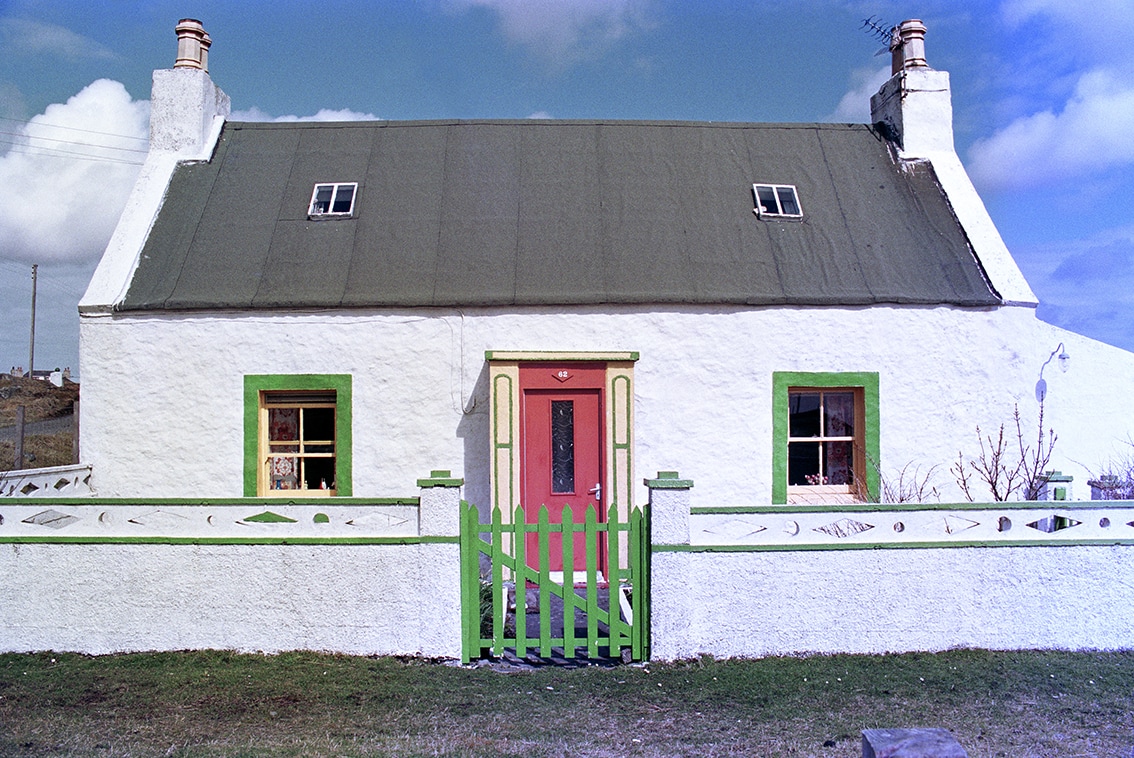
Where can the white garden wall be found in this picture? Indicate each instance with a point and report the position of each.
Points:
(875, 601)
(162, 402)
(105, 598)
(349, 575)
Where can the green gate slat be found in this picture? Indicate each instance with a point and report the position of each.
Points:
(591, 544)
(614, 583)
(519, 578)
(568, 586)
(498, 600)
(544, 583)
(470, 628)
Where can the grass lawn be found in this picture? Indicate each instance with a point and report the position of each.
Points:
(297, 704)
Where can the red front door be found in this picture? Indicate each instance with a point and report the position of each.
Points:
(561, 422)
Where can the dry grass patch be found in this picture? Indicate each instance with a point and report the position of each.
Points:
(222, 704)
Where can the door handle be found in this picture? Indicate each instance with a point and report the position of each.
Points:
(597, 491)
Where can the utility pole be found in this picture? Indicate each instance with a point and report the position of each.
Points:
(31, 349)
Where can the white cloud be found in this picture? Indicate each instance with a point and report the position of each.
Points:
(540, 115)
(35, 37)
(326, 114)
(1103, 23)
(854, 108)
(1089, 135)
(565, 31)
(64, 183)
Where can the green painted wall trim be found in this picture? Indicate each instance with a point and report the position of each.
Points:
(1015, 505)
(782, 380)
(885, 546)
(243, 502)
(668, 480)
(341, 383)
(229, 540)
(440, 478)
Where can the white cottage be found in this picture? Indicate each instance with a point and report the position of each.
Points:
(386, 297)
(294, 322)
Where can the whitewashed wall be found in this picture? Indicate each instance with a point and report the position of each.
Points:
(162, 395)
(877, 601)
(106, 598)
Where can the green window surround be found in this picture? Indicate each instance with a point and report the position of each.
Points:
(866, 382)
(254, 384)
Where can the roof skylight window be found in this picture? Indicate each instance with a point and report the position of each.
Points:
(777, 201)
(333, 199)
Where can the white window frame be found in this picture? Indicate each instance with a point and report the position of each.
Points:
(776, 189)
(335, 187)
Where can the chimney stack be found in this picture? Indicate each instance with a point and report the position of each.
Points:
(186, 107)
(914, 108)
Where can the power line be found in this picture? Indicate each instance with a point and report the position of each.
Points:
(51, 152)
(70, 142)
(74, 129)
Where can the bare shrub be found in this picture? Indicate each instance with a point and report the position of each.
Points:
(909, 485)
(1004, 471)
(1115, 480)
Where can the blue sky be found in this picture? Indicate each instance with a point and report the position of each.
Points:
(1043, 96)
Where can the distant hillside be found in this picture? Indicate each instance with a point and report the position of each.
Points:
(41, 400)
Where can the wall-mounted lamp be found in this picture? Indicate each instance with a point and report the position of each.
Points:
(1064, 364)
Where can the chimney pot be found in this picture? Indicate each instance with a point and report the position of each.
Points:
(907, 46)
(206, 43)
(192, 44)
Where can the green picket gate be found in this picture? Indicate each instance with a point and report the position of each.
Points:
(509, 605)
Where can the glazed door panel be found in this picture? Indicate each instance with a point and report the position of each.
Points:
(562, 452)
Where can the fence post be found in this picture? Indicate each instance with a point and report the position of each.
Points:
(669, 508)
(19, 440)
(671, 612)
(440, 504)
(75, 432)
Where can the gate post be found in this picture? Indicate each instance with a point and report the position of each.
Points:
(439, 513)
(671, 616)
(669, 508)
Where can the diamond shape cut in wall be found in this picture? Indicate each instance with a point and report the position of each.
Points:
(51, 518)
(267, 517)
(955, 524)
(384, 520)
(1054, 523)
(736, 529)
(160, 519)
(844, 527)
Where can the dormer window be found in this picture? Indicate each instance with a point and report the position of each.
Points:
(333, 199)
(776, 201)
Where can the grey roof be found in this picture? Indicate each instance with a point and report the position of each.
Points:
(536, 212)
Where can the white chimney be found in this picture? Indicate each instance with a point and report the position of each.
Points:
(915, 105)
(915, 109)
(186, 108)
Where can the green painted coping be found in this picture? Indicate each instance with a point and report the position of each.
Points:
(884, 546)
(782, 380)
(668, 480)
(244, 502)
(1015, 505)
(39, 540)
(440, 478)
(254, 384)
